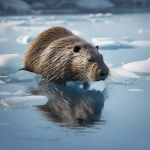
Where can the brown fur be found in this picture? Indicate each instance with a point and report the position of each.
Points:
(51, 54)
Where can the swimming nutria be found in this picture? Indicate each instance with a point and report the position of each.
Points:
(60, 56)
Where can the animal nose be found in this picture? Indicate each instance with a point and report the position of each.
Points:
(104, 72)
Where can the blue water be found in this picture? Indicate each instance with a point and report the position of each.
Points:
(121, 118)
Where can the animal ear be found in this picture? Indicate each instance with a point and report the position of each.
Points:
(97, 47)
(76, 49)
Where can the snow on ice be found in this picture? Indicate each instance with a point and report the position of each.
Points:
(24, 39)
(138, 66)
(10, 62)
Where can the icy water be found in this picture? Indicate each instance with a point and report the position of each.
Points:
(113, 114)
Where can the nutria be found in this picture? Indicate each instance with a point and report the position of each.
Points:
(60, 56)
(71, 105)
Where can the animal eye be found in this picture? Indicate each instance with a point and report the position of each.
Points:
(97, 47)
(90, 59)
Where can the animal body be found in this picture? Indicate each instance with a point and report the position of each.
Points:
(60, 56)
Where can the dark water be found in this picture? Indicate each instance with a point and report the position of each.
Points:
(109, 115)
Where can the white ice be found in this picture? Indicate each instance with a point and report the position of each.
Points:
(21, 100)
(141, 43)
(138, 66)
(114, 44)
(24, 39)
(19, 93)
(147, 78)
(111, 44)
(120, 76)
(137, 90)
(10, 62)
(2, 82)
(24, 76)
(76, 32)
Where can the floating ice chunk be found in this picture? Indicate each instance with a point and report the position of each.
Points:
(20, 93)
(129, 19)
(24, 39)
(141, 43)
(55, 22)
(108, 14)
(128, 39)
(138, 66)
(147, 78)
(76, 32)
(21, 100)
(2, 82)
(137, 90)
(120, 76)
(10, 62)
(111, 44)
(5, 24)
(141, 30)
(124, 73)
(4, 39)
(24, 76)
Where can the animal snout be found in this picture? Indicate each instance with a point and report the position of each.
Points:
(104, 72)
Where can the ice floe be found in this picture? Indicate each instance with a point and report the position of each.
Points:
(111, 44)
(138, 66)
(24, 39)
(19, 93)
(76, 32)
(2, 82)
(30, 100)
(147, 78)
(24, 76)
(10, 62)
(114, 44)
(141, 43)
(136, 90)
(120, 76)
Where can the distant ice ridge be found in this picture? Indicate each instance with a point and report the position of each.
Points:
(10, 62)
(24, 39)
(114, 44)
(101, 4)
(138, 66)
(17, 5)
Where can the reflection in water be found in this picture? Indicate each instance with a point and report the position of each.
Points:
(71, 105)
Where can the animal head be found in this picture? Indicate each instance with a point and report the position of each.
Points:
(88, 63)
(72, 59)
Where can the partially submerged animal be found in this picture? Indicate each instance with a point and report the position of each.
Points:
(60, 56)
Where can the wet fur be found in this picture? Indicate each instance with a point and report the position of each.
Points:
(51, 54)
